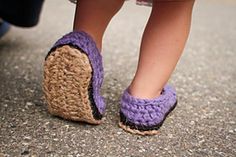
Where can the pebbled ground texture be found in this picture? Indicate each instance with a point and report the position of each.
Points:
(203, 123)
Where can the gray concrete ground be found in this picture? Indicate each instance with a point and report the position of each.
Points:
(203, 124)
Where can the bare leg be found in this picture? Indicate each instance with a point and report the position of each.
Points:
(162, 44)
(68, 72)
(93, 17)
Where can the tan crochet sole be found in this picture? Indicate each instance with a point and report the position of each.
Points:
(67, 76)
(134, 131)
(143, 133)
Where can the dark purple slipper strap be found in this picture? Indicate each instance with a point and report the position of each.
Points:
(148, 112)
(83, 41)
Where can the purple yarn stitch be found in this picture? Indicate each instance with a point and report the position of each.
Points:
(84, 42)
(148, 112)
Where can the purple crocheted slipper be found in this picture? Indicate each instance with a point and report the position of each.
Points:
(145, 116)
(73, 76)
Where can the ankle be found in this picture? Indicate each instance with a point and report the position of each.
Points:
(143, 92)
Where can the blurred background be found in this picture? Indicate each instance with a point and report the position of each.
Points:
(203, 124)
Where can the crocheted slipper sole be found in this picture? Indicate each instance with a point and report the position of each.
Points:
(142, 130)
(67, 85)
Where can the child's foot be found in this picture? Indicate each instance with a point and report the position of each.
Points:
(73, 75)
(145, 116)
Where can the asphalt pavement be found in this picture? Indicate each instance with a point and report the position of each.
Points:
(203, 123)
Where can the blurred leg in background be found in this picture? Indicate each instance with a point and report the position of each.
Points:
(21, 13)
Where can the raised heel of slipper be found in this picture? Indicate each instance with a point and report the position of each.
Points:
(67, 85)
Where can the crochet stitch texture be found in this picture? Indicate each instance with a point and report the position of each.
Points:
(84, 42)
(148, 112)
